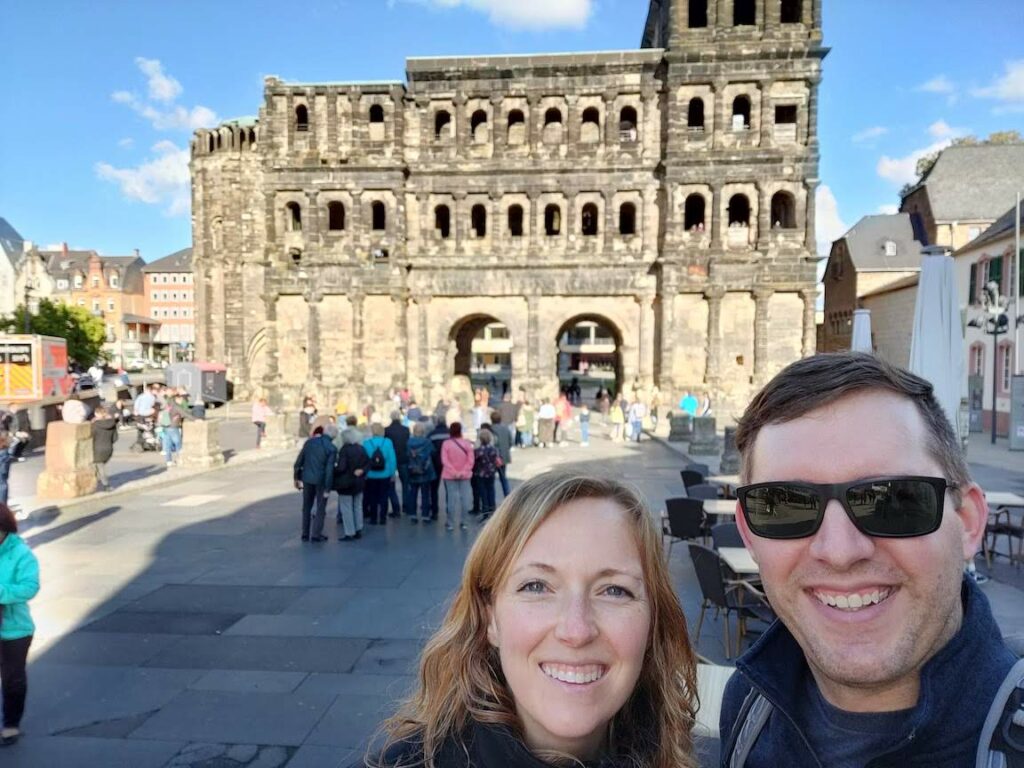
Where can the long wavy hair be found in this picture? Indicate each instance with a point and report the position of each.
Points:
(460, 677)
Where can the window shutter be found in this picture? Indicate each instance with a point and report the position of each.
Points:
(972, 291)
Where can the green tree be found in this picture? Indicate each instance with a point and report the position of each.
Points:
(83, 332)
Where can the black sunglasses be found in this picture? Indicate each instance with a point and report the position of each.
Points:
(887, 507)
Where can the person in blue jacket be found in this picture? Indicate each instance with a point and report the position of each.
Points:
(381, 469)
(314, 476)
(19, 583)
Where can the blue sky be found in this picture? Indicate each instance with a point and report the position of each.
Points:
(101, 97)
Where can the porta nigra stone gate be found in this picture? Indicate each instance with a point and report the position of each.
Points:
(358, 236)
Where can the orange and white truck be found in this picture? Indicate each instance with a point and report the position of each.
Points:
(33, 367)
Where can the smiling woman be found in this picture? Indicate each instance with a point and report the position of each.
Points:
(552, 651)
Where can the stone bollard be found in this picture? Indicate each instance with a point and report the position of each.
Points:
(680, 427)
(69, 471)
(730, 456)
(280, 433)
(200, 445)
(705, 437)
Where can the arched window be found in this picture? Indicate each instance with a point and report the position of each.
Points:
(695, 115)
(627, 219)
(741, 113)
(783, 211)
(301, 118)
(590, 130)
(627, 125)
(588, 220)
(698, 17)
(376, 113)
(744, 13)
(336, 216)
(977, 359)
(379, 216)
(739, 211)
(252, 137)
(293, 217)
(478, 221)
(443, 221)
(220, 140)
(553, 126)
(693, 214)
(791, 12)
(212, 143)
(515, 221)
(516, 127)
(442, 125)
(478, 126)
(552, 220)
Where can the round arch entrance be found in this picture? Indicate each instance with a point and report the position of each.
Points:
(589, 356)
(482, 347)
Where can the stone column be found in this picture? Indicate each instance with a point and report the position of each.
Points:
(536, 220)
(715, 220)
(281, 432)
(666, 379)
(714, 294)
(811, 236)
(69, 471)
(810, 342)
(762, 299)
(535, 122)
(499, 126)
(200, 444)
(611, 121)
(812, 111)
(400, 376)
(358, 368)
(460, 222)
(533, 368)
(272, 376)
(645, 303)
(423, 303)
(572, 125)
(462, 137)
(313, 352)
(646, 214)
(767, 132)
(311, 222)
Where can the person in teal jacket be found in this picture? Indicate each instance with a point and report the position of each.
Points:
(379, 480)
(19, 583)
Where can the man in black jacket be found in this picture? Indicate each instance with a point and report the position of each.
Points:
(398, 434)
(314, 476)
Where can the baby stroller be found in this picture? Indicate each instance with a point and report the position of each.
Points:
(146, 439)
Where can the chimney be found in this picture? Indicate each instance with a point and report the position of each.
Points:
(64, 249)
(136, 253)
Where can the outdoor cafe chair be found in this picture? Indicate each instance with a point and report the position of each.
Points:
(726, 535)
(1001, 524)
(726, 596)
(694, 466)
(692, 477)
(685, 521)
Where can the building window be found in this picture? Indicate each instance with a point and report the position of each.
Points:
(739, 211)
(590, 130)
(163, 278)
(478, 127)
(1005, 366)
(174, 313)
(628, 125)
(110, 305)
(442, 125)
(301, 118)
(995, 273)
(588, 220)
(791, 12)
(478, 221)
(695, 115)
(978, 360)
(889, 248)
(78, 281)
(785, 114)
(698, 16)
(62, 285)
(627, 219)
(516, 128)
(552, 220)
(378, 216)
(553, 126)
(81, 302)
(744, 13)
(174, 278)
(693, 214)
(515, 221)
(376, 123)
(336, 216)
(443, 221)
(293, 217)
(95, 281)
(155, 296)
(783, 211)
(376, 113)
(113, 281)
(741, 113)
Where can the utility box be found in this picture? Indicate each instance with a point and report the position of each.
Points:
(208, 381)
(33, 367)
(1017, 413)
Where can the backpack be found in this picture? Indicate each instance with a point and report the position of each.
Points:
(377, 460)
(1002, 737)
(420, 461)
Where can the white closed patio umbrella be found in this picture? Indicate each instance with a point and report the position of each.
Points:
(937, 346)
(861, 341)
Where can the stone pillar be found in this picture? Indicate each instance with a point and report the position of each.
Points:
(535, 122)
(311, 220)
(461, 120)
(762, 299)
(358, 369)
(714, 294)
(680, 427)
(572, 126)
(281, 432)
(810, 238)
(272, 377)
(200, 444)
(812, 111)
(499, 125)
(730, 463)
(705, 437)
(400, 377)
(69, 471)
(645, 342)
(810, 341)
(667, 363)
(611, 121)
(313, 351)
(423, 302)
(533, 370)
(460, 222)
(714, 221)
(645, 216)
(536, 222)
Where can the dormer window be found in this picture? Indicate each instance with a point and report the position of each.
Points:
(113, 281)
(890, 248)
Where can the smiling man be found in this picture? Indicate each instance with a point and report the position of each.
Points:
(859, 509)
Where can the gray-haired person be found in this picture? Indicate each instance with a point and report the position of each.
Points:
(349, 482)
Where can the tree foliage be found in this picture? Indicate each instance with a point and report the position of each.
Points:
(83, 332)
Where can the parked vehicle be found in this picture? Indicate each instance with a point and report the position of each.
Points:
(33, 367)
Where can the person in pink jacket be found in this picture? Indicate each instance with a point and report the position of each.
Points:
(457, 473)
(261, 412)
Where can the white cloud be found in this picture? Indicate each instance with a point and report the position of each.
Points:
(870, 134)
(888, 209)
(1008, 89)
(532, 14)
(161, 180)
(829, 224)
(940, 129)
(126, 143)
(162, 87)
(903, 170)
(940, 84)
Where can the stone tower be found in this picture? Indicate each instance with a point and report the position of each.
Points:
(359, 236)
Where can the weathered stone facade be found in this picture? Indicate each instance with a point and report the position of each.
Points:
(355, 235)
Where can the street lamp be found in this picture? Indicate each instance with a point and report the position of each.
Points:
(994, 322)
(28, 315)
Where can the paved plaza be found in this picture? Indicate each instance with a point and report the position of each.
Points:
(186, 625)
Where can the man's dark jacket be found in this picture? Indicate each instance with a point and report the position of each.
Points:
(351, 456)
(399, 437)
(315, 464)
(957, 688)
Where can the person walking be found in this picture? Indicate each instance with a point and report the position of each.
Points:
(104, 435)
(381, 469)
(437, 436)
(314, 476)
(350, 482)
(261, 413)
(546, 424)
(584, 426)
(10, 447)
(637, 414)
(563, 418)
(457, 470)
(19, 583)
(526, 424)
(398, 434)
(421, 475)
(306, 416)
(170, 420)
(618, 420)
(485, 467)
(503, 442)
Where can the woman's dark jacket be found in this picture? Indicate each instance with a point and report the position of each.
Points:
(104, 435)
(351, 456)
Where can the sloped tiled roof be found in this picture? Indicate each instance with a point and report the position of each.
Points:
(866, 243)
(975, 183)
(11, 243)
(179, 261)
(1002, 227)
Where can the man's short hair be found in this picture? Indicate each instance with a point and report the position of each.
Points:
(495, 417)
(814, 382)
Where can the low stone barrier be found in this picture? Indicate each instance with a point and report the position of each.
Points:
(705, 437)
(200, 445)
(69, 469)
